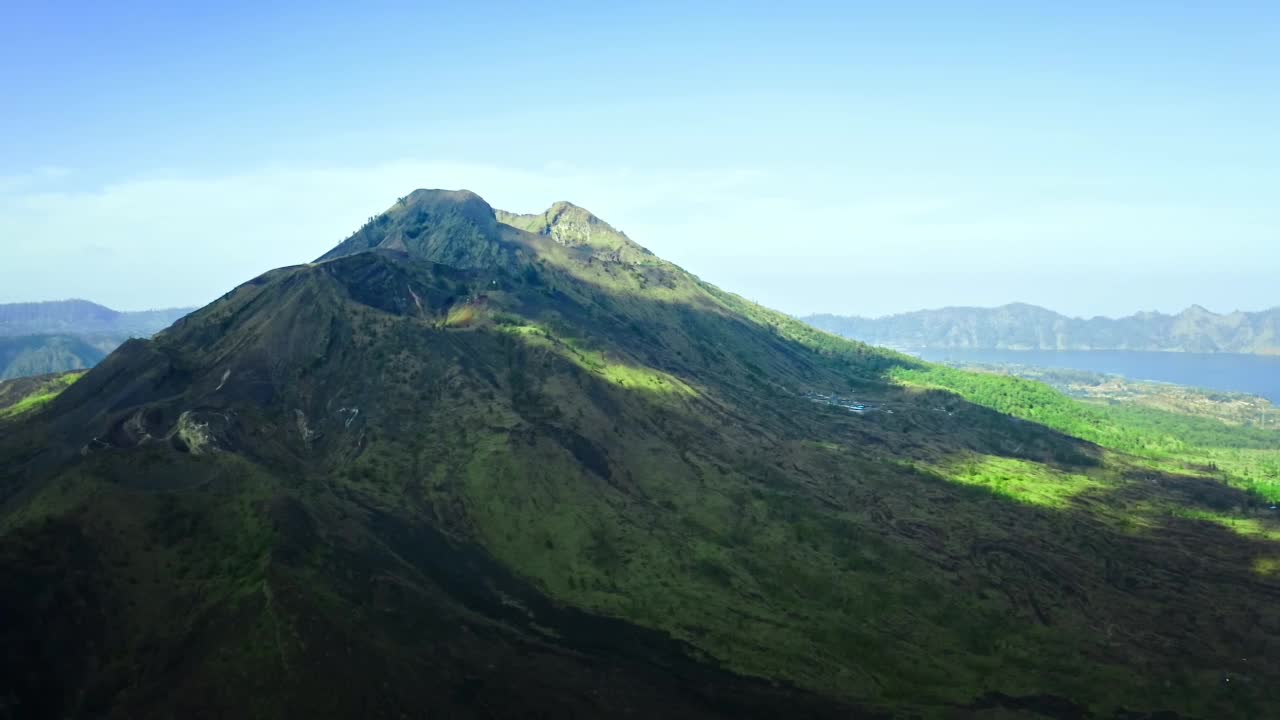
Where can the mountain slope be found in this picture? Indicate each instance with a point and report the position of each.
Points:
(23, 395)
(477, 469)
(44, 354)
(1027, 327)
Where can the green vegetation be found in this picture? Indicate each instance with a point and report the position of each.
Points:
(597, 362)
(1020, 480)
(1244, 456)
(18, 397)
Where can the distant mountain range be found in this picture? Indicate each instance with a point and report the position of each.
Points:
(1027, 327)
(82, 318)
(49, 337)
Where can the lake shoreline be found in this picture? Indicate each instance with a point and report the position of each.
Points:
(1224, 372)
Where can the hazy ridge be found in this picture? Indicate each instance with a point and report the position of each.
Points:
(1020, 326)
(58, 336)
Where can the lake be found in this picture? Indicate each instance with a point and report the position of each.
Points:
(1253, 374)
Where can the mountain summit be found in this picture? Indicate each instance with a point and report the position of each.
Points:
(450, 227)
(460, 229)
(573, 226)
(476, 464)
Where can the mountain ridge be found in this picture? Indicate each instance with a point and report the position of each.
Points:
(1021, 326)
(80, 317)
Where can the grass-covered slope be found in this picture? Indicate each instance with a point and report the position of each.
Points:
(473, 465)
(24, 395)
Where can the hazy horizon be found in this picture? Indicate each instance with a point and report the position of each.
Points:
(845, 159)
(870, 317)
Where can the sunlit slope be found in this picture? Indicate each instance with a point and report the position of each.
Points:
(493, 464)
(25, 395)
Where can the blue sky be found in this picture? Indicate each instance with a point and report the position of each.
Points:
(1096, 158)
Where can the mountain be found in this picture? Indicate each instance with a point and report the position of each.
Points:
(1027, 327)
(476, 464)
(27, 394)
(43, 354)
(82, 318)
(54, 337)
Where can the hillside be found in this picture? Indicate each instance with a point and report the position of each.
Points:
(44, 354)
(475, 464)
(1027, 327)
(24, 395)
(55, 337)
